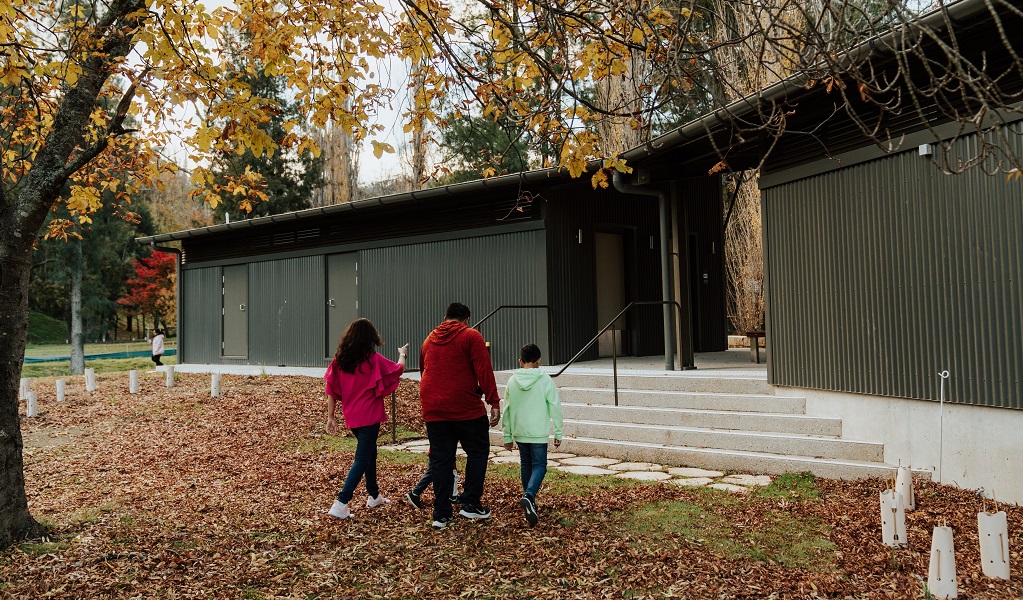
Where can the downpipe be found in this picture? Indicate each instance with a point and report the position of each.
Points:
(669, 316)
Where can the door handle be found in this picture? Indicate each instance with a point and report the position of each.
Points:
(241, 307)
(331, 303)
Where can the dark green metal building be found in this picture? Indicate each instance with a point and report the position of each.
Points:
(279, 290)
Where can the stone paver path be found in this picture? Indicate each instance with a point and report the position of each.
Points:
(738, 483)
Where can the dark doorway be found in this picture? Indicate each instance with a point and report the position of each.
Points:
(611, 289)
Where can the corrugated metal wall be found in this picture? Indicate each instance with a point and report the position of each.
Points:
(201, 331)
(405, 290)
(883, 274)
(287, 311)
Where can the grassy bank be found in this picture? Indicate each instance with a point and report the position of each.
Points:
(102, 365)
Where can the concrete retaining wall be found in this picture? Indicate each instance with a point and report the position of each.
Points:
(981, 447)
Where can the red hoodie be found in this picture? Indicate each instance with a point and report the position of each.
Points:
(454, 361)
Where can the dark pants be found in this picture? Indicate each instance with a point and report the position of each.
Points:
(156, 360)
(365, 463)
(428, 479)
(474, 436)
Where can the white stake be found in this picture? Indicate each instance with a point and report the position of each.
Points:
(994, 543)
(90, 380)
(215, 385)
(133, 381)
(26, 385)
(941, 426)
(61, 389)
(904, 487)
(170, 375)
(941, 578)
(33, 408)
(893, 519)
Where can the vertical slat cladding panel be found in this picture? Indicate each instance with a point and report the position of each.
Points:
(882, 274)
(405, 290)
(286, 303)
(200, 340)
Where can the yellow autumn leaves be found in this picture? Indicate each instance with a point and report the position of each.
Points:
(325, 51)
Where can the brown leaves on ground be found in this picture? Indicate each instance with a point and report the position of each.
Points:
(172, 493)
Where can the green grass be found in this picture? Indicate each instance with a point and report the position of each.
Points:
(795, 487)
(781, 537)
(46, 330)
(571, 484)
(323, 443)
(41, 548)
(103, 365)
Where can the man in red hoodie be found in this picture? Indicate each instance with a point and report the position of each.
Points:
(455, 368)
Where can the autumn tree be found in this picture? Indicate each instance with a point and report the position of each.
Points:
(151, 291)
(475, 146)
(287, 174)
(69, 81)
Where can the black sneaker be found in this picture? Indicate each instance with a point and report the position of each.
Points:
(414, 499)
(455, 499)
(474, 511)
(443, 522)
(530, 509)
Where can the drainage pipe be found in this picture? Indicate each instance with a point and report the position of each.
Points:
(669, 316)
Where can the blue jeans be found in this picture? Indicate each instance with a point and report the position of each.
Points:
(365, 463)
(533, 466)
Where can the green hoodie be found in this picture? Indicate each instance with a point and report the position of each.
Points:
(530, 404)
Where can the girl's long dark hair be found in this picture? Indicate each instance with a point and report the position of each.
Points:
(356, 345)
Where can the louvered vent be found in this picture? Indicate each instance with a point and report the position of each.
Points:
(260, 241)
(308, 234)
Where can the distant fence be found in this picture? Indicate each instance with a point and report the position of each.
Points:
(126, 354)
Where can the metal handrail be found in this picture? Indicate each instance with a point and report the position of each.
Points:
(550, 322)
(614, 344)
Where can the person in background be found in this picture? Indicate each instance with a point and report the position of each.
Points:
(360, 378)
(456, 371)
(157, 342)
(530, 405)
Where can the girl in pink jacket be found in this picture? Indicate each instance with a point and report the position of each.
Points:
(360, 378)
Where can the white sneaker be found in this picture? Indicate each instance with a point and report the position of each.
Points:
(339, 510)
(372, 502)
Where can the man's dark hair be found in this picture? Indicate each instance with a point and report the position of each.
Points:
(457, 311)
(529, 353)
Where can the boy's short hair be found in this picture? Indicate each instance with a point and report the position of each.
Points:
(530, 353)
(457, 311)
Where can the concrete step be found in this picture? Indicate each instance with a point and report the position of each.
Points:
(748, 441)
(692, 400)
(668, 383)
(709, 419)
(728, 460)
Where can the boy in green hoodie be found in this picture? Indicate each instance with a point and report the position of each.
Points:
(530, 405)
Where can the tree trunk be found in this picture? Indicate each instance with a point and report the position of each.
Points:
(77, 339)
(15, 262)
